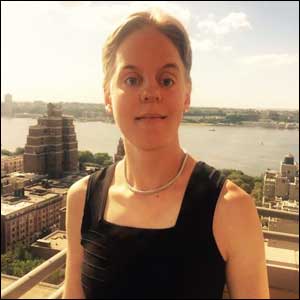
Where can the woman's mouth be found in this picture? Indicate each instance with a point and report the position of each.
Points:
(151, 117)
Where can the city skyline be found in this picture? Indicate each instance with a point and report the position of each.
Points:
(245, 54)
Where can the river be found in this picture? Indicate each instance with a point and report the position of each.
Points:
(249, 149)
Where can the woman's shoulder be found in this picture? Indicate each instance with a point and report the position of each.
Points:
(79, 186)
(235, 203)
(77, 193)
(236, 217)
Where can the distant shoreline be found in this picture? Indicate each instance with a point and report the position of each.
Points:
(234, 125)
(253, 124)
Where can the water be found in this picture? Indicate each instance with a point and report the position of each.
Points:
(251, 150)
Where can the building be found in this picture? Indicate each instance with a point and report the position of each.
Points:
(11, 184)
(51, 146)
(50, 244)
(120, 151)
(269, 186)
(62, 219)
(281, 191)
(12, 181)
(8, 106)
(11, 164)
(282, 185)
(26, 217)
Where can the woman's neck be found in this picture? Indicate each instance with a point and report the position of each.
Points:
(150, 169)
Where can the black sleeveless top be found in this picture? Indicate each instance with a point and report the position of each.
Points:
(178, 262)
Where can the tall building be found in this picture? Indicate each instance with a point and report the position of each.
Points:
(282, 185)
(8, 105)
(51, 146)
(120, 151)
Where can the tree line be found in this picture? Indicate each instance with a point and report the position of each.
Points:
(100, 159)
(230, 115)
(18, 151)
(252, 185)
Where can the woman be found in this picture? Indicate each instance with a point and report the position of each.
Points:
(158, 224)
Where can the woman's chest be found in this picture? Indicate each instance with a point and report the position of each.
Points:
(157, 211)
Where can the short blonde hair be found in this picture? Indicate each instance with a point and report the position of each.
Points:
(166, 24)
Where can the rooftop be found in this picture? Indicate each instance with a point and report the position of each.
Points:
(6, 208)
(56, 240)
(9, 206)
(54, 189)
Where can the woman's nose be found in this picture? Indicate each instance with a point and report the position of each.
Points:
(150, 95)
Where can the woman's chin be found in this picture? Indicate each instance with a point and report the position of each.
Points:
(150, 144)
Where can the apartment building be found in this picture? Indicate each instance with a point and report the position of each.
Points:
(11, 164)
(25, 217)
(282, 185)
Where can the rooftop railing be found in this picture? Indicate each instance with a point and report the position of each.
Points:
(28, 281)
(283, 280)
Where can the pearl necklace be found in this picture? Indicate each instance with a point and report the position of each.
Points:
(163, 187)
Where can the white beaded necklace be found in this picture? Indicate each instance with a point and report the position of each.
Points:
(163, 187)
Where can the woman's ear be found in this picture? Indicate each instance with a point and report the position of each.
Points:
(187, 100)
(107, 101)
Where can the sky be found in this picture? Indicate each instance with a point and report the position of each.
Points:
(245, 53)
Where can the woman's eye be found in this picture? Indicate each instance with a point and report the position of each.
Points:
(131, 81)
(167, 82)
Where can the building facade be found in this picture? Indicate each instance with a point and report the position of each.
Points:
(25, 218)
(283, 185)
(11, 164)
(51, 146)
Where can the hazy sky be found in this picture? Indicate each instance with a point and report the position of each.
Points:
(245, 54)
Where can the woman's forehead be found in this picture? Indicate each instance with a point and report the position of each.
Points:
(147, 47)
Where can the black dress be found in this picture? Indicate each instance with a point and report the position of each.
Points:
(178, 262)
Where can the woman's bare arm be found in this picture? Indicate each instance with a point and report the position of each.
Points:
(239, 230)
(74, 213)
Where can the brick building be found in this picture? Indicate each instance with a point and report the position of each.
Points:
(51, 146)
(12, 182)
(11, 164)
(25, 218)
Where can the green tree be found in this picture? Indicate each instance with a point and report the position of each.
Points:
(20, 251)
(244, 181)
(101, 158)
(19, 151)
(257, 193)
(233, 118)
(7, 260)
(85, 156)
(6, 152)
(19, 262)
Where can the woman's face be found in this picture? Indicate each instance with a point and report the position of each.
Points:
(148, 91)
